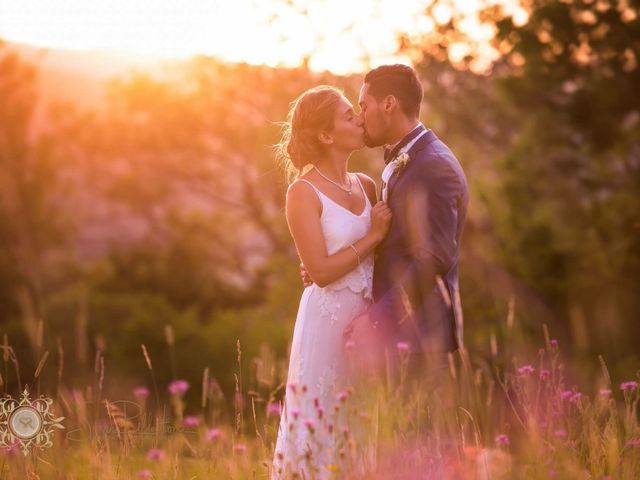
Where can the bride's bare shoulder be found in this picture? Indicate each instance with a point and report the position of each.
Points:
(301, 195)
(369, 185)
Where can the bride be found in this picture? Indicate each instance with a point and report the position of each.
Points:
(336, 224)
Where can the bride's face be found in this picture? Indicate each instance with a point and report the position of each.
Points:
(347, 133)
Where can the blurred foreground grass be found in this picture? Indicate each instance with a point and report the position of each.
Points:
(465, 422)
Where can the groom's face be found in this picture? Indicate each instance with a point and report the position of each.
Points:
(373, 118)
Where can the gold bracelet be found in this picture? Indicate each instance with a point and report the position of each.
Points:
(357, 254)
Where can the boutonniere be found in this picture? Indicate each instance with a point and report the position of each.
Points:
(401, 161)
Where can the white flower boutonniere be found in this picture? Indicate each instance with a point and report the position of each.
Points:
(401, 161)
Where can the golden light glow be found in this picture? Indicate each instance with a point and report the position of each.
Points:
(341, 36)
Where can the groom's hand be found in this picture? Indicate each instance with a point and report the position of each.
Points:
(304, 275)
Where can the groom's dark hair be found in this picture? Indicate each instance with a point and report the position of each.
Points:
(398, 80)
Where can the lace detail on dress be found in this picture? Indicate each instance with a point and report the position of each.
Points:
(358, 280)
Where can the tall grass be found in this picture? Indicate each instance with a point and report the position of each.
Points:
(470, 420)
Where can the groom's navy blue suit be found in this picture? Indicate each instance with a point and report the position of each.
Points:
(428, 199)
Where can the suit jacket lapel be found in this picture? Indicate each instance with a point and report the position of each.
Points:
(420, 145)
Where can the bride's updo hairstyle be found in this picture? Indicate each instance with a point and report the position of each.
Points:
(310, 113)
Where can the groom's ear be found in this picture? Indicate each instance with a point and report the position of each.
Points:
(389, 103)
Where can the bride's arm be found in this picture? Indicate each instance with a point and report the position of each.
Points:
(303, 209)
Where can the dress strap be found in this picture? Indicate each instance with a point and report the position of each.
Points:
(366, 197)
(312, 186)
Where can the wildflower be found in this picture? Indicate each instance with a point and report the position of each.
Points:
(146, 473)
(632, 385)
(526, 370)
(544, 374)
(273, 409)
(310, 424)
(320, 413)
(292, 387)
(402, 346)
(213, 435)
(633, 443)
(554, 343)
(156, 454)
(240, 448)
(560, 433)
(141, 392)
(605, 392)
(191, 421)
(178, 387)
(349, 344)
(575, 397)
(341, 396)
(502, 440)
(295, 413)
(566, 394)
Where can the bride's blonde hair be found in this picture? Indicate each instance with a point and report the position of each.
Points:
(309, 114)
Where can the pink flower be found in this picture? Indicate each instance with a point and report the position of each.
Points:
(240, 448)
(632, 385)
(554, 343)
(295, 413)
(341, 396)
(605, 392)
(310, 424)
(141, 392)
(146, 473)
(178, 387)
(156, 454)
(566, 394)
(191, 421)
(502, 440)
(544, 374)
(292, 387)
(402, 346)
(213, 435)
(575, 397)
(273, 409)
(560, 433)
(349, 344)
(633, 443)
(526, 370)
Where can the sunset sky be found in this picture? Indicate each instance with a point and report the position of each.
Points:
(336, 35)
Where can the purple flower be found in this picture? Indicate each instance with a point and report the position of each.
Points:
(502, 440)
(632, 385)
(566, 394)
(178, 387)
(273, 409)
(156, 454)
(146, 473)
(141, 392)
(213, 434)
(554, 343)
(191, 421)
(526, 370)
(402, 346)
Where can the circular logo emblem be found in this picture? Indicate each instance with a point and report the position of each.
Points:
(25, 422)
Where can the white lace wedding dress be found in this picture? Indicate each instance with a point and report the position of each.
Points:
(312, 432)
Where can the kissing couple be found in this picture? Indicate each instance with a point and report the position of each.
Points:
(380, 262)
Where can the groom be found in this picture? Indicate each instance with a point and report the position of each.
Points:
(415, 281)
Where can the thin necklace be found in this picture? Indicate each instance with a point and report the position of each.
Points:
(348, 190)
